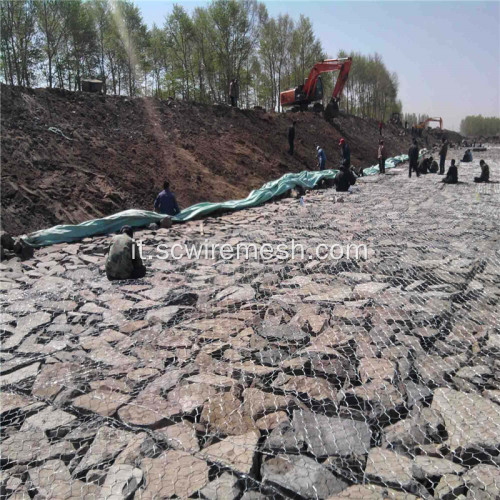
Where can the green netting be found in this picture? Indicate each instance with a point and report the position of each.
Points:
(139, 218)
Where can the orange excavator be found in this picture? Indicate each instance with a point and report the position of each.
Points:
(312, 90)
(423, 124)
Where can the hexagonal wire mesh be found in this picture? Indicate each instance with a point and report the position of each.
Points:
(369, 377)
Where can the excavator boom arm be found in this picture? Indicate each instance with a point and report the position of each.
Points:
(344, 65)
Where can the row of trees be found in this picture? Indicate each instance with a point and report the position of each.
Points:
(480, 125)
(59, 42)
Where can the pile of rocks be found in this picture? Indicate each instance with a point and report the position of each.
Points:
(226, 378)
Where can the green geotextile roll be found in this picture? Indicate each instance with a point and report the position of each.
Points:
(139, 218)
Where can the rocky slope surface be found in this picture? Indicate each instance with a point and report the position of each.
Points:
(306, 378)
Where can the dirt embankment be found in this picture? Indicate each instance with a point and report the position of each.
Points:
(117, 152)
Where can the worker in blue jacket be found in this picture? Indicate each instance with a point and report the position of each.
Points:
(321, 158)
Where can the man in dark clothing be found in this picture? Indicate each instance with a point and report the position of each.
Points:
(434, 168)
(380, 126)
(345, 153)
(381, 157)
(467, 157)
(123, 260)
(165, 202)
(344, 179)
(234, 92)
(406, 126)
(413, 154)
(452, 174)
(291, 137)
(442, 155)
(485, 173)
(423, 165)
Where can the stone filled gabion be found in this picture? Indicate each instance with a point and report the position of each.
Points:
(375, 377)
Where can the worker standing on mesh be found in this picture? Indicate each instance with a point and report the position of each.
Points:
(442, 155)
(381, 157)
(413, 157)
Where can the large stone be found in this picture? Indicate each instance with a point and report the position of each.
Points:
(181, 436)
(471, 421)
(316, 389)
(433, 468)
(121, 482)
(133, 451)
(32, 445)
(302, 475)
(53, 480)
(106, 445)
(55, 378)
(257, 403)
(48, 419)
(483, 482)
(236, 452)
(148, 410)
(404, 436)
(10, 402)
(191, 397)
(449, 487)
(285, 333)
(326, 436)
(163, 315)
(434, 370)
(390, 468)
(271, 421)
(235, 295)
(224, 414)
(173, 473)
(224, 487)
(284, 439)
(25, 326)
(104, 402)
(375, 368)
(380, 398)
(19, 375)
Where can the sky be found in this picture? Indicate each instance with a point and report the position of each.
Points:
(446, 54)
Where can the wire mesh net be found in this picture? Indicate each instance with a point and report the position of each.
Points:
(249, 378)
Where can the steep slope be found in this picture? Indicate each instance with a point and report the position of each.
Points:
(117, 151)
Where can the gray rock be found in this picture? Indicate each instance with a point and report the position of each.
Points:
(433, 468)
(450, 486)
(19, 375)
(483, 482)
(390, 468)
(48, 419)
(416, 393)
(331, 435)
(471, 421)
(288, 333)
(433, 370)
(302, 475)
(121, 481)
(284, 439)
(106, 445)
(224, 487)
(173, 473)
(236, 452)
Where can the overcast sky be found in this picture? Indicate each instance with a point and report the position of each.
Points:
(446, 54)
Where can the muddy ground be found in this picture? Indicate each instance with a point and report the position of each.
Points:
(117, 151)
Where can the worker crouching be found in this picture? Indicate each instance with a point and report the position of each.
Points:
(123, 260)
